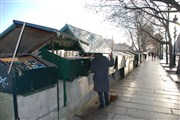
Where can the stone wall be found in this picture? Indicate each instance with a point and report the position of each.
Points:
(42, 105)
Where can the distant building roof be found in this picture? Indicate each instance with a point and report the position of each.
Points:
(121, 47)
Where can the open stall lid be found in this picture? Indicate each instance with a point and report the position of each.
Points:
(64, 41)
(88, 42)
(33, 38)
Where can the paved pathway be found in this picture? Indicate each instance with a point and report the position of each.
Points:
(172, 71)
(147, 93)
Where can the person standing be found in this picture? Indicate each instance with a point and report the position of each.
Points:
(99, 66)
(152, 54)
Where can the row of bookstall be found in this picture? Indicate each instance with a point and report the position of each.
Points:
(35, 58)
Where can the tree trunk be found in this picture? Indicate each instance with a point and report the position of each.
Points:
(171, 62)
(178, 68)
(167, 54)
(171, 59)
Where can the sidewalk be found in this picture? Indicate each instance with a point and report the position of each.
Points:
(147, 93)
(172, 71)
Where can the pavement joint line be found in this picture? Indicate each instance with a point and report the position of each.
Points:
(170, 107)
(169, 113)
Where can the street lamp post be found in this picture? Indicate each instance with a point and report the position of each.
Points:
(175, 19)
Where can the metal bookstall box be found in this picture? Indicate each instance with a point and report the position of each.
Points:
(74, 39)
(119, 60)
(145, 55)
(21, 72)
(131, 61)
(119, 63)
(28, 74)
(141, 57)
(136, 58)
(71, 38)
(69, 68)
(127, 61)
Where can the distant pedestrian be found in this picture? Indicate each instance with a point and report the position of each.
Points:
(152, 54)
(145, 56)
(99, 66)
(149, 53)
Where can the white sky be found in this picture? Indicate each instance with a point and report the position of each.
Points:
(55, 14)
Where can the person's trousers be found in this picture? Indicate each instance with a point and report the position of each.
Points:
(103, 98)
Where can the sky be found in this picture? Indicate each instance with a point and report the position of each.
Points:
(55, 14)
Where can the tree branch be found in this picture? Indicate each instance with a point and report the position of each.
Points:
(171, 2)
(159, 41)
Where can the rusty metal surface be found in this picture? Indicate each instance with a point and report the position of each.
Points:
(32, 39)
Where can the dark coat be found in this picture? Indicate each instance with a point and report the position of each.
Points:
(99, 66)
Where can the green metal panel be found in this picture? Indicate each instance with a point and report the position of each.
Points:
(26, 80)
(36, 79)
(68, 69)
(6, 84)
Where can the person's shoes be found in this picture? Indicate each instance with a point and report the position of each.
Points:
(108, 103)
(101, 106)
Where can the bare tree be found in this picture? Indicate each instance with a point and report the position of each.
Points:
(141, 38)
(121, 12)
